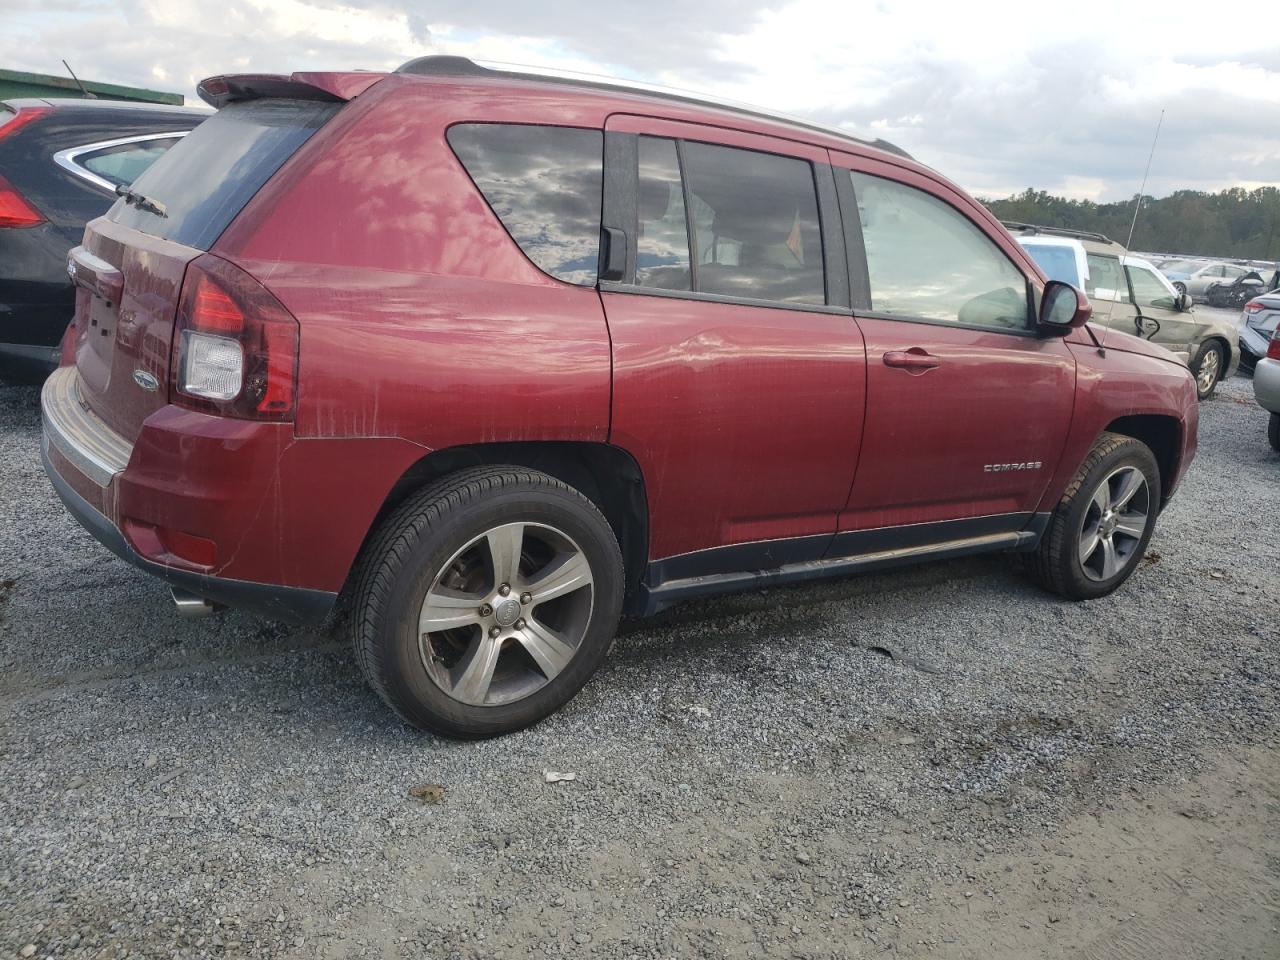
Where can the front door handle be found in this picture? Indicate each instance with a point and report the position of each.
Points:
(915, 360)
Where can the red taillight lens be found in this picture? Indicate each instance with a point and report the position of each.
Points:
(235, 346)
(20, 119)
(14, 209)
(1273, 348)
(1253, 306)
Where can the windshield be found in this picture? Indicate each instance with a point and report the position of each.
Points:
(206, 179)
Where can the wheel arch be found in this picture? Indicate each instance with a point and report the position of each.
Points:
(1162, 435)
(606, 475)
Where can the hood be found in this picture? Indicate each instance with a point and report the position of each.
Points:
(1128, 343)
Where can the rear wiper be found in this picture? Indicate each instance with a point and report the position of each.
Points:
(140, 201)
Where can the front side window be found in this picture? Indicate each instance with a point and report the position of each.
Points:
(925, 260)
(1105, 282)
(545, 185)
(123, 163)
(1148, 289)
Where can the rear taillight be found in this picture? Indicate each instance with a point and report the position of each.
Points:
(15, 211)
(1253, 306)
(1273, 348)
(235, 346)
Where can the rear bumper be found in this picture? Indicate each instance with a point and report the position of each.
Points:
(240, 512)
(293, 604)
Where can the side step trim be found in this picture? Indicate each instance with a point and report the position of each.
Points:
(673, 590)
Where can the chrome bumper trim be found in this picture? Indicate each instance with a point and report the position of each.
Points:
(78, 433)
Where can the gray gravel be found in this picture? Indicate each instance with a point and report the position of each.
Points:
(752, 777)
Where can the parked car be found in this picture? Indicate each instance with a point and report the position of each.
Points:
(1258, 324)
(60, 164)
(1235, 293)
(1266, 387)
(500, 356)
(1139, 301)
(1188, 276)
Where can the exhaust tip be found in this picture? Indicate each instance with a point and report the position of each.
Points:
(190, 606)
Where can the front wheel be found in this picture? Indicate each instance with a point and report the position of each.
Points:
(1207, 368)
(487, 601)
(1103, 523)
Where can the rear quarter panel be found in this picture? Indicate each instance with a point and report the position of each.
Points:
(420, 317)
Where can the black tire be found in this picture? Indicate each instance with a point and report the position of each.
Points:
(1205, 391)
(1273, 432)
(1056, 563)
(414, 545)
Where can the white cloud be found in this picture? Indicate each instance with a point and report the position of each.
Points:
(999, 95)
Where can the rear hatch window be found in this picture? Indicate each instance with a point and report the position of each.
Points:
(196, 189)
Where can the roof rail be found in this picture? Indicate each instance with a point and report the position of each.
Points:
(1014, 226)
(452, 66)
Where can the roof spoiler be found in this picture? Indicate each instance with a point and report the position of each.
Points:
(333, 87)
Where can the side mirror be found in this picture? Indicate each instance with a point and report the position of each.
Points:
(1183, 302)
(1063, 308)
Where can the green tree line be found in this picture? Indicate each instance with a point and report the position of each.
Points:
(1232, 223)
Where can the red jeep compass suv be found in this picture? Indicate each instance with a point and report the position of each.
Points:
(501, 357)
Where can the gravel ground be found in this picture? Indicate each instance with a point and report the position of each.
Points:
(1024, 777)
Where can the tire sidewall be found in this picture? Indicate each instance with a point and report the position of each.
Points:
(408, 683)
(1203, 352)
(1133, 454)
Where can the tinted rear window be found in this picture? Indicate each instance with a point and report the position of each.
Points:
(205, 180)
(545, 184)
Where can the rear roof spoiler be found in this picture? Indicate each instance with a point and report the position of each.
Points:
(334, 87)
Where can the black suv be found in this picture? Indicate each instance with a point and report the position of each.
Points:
(60, 164)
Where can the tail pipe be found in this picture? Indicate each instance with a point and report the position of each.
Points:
(190, 606)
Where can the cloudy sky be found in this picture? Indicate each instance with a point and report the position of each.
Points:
(999, 96)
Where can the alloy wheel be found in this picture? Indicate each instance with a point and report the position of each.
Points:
(506, 614)
(1114, 523)
(1207, 374)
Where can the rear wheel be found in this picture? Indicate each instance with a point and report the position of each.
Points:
(1273, 431)
(487, 601)
(1103, 523)
(1207, 368)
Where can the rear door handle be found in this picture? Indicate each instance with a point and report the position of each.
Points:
(915, 360)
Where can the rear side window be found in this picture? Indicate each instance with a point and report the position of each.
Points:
(123, 163)
(749, 230)
(545, 185)
(207, 178)
(926, 260)
(1105, 282)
